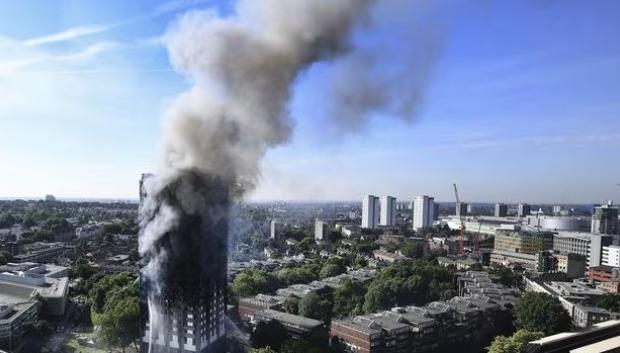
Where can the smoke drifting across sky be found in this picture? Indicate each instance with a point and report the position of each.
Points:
(242, 68)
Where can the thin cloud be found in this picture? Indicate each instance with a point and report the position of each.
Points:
(38, 58)
(87, 30)
(69, 34)
(542, 140)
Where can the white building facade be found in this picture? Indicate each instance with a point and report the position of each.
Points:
(321, 230)
(370, 211)
(423, 212)
(388, 211)
(611, 256)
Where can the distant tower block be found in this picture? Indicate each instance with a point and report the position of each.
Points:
(276, 229)
(388, 211)
(523, 210)
(321, 231)
(370, 211)
(423, 212)
(501, 210)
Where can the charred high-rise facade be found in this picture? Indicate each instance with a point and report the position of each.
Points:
(184, 271)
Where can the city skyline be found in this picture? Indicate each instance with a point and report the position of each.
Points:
(507, 112)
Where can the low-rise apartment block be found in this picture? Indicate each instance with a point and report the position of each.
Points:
(461, 322)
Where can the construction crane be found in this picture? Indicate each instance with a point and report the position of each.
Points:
(460, 215)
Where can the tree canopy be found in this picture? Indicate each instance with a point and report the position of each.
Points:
(268, 334)
(540, 312)
(409, 282)
(610, 301)
(315, 307)
(331, 270)
(515, 343)
(349, 299)
(115, 309)
(262, 350)
(301, 274)
(254, 281)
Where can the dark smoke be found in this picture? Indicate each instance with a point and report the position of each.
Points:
(193, 250)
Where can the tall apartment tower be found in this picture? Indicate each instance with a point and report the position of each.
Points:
(461, 209)
(275, 231)
(388, 211)
(370, 211)
(605, 219)
(523, 210)
(321, 230)
(423, 212)
(187, 313)
(501, 210)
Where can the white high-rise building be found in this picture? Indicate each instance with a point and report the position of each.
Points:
(370, 211)
(423, 212)
(321, 230)
(611, 256)
(276, 229)
(388, 211)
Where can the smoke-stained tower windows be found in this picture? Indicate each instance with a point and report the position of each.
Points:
(184, 275)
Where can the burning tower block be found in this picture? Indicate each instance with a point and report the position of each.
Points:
(184, 275)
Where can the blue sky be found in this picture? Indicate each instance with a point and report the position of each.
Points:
(521, 103)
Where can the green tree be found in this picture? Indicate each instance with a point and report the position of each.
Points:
(412, 249)
(409, 282)
(515, 343)
(610, 301)
(254, 281)
(5, 257)
(291, 305)
(541, 312)
(315, 307)
(304, 274)
(331, 270)
(98, 299)
(262, 350)
(506, 276)
(120, 323)
(299, 346)
(268, 334)
(82, 269)
(359, 262)
(349, 299)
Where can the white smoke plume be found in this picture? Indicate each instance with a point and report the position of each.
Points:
(242, 69)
